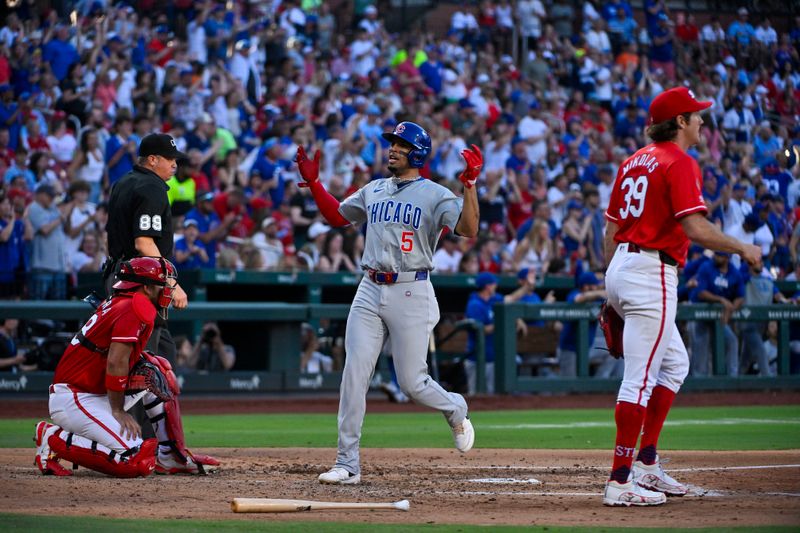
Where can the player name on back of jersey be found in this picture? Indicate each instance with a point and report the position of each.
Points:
(395, 211)
(642, 160)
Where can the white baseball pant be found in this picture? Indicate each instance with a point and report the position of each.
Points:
(407, 313)
(643, 290)
(88, 417)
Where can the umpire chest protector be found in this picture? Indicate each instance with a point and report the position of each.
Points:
(139, 207)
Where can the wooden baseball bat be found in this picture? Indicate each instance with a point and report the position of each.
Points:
(270, 505)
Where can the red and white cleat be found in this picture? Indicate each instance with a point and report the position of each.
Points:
(627, 494)
(196, 464)
(652, 477)
(47, 462)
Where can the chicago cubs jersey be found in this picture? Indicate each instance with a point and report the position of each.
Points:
(404, 220)
(126, 318)
(655, 188)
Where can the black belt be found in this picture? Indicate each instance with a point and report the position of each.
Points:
(665, 257)
(388, 278)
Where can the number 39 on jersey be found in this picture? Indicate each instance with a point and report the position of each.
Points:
(635, 191)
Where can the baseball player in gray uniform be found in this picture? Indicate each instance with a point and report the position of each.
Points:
(405, 215)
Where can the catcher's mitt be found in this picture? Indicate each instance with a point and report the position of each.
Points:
(612, 325)
(147, 376)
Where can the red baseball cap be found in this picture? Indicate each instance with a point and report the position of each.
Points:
(674, 102)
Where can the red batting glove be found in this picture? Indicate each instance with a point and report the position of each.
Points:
(474, 159)
(309, 169)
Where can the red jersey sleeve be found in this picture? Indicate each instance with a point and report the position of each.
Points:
(685, 188)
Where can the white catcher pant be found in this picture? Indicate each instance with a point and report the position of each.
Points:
(407, 313)
(88, 417)
(643, 290)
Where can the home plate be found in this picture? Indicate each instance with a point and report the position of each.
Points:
(506, 480)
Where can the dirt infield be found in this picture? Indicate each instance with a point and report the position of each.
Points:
(519, 487)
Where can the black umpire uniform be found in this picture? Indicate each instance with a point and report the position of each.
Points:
(139, 207)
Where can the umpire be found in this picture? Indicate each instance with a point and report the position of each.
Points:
(140, 222)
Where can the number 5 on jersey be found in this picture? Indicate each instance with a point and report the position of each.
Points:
(406, 241)
(635, 191)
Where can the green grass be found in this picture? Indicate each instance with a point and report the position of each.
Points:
(700, 428)
(91, 524)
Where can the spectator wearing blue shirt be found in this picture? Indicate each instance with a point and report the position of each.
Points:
(121, 149)
(717, 282)
(588, 289)
(661, 53)
(269, 165)
(621, 29)
(209, 227)
(190, 253)
(20, 168)
(48, 278)
(13, 236)
(766, 145)
(776, 178)
(10, 115)
(370, 129)
(60, 53)
(741, 32)
(631, 124)
(759, 289)
(611, 9)
(653, 9)
(432, 70)
(479, 308)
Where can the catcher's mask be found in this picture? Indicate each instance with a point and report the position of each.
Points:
(148, 271)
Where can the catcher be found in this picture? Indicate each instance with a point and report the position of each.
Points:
(104, 372)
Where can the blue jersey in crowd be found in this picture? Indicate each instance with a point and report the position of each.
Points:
(481, 310)
(193, 262)
(709, 278)
(123, 165)
(12, 251)
(206, 223)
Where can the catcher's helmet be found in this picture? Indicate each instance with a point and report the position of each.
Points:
(415, 136)
(147, 271)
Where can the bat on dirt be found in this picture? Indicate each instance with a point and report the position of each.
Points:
(269, 505)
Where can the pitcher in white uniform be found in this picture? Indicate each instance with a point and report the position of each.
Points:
(405, 215)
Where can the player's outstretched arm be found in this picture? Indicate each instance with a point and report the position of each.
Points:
(469, 221)
(706, 234)
(328, 205)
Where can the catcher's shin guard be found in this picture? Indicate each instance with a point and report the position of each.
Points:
(169, 418)
(136, 462)
(173, 424)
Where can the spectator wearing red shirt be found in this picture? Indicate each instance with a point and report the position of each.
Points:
(35, 141)
(6, 153)
(160, 46)
(686, 30)
(489, 259)
(233, 201)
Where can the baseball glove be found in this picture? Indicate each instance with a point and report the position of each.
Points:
(612, 325)
(147, 376)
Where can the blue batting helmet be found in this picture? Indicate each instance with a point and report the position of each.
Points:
(415, 136)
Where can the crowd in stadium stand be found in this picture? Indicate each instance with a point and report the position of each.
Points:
(240, 85)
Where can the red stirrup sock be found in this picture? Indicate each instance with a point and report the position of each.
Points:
(657, 409)
(629, 418)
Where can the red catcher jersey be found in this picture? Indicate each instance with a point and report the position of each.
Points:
(655, 188)
(126, 318)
